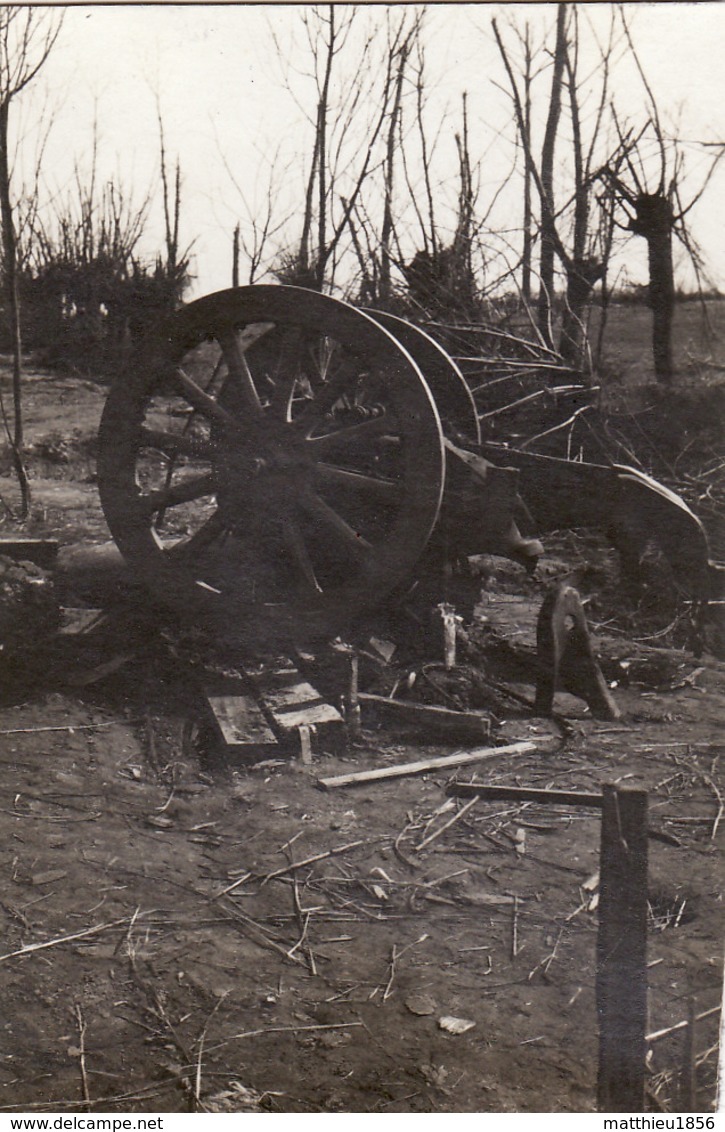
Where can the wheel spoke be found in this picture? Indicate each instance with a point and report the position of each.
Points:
(317, 509)
(326, 394)
(286, 373)
(370, 429)
(203, 403)
(239, 371)
(183, 492)
(379, 490)
(207, 533)
(296, 544)
(177, 444)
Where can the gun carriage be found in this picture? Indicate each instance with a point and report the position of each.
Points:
(285, 462)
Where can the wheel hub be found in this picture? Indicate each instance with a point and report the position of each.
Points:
(260, 484)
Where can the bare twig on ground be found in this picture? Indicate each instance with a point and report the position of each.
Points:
(30, 948)
(395, 955)
(82, 1054)
(202, 1038)
(68, 727)
(515, 928)
(256, 932)
(283, 1030)
(312, 860)
(446, 825)
(656, 1035)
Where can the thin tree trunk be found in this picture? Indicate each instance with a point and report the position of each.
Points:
(662, 301)
(235, 258)
(387, 227)
(526, 257)
(322, 111)
(13, 308)
(654, 220)
(548, 240)
(582, 272)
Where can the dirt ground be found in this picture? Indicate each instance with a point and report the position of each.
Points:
(161, 953)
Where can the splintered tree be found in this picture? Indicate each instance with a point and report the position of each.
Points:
(655, 211)
(27, 37)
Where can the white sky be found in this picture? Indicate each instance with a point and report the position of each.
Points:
(220, 84)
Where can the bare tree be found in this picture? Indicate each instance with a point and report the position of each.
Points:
(549, 236)
(573, 232)
(656, 212)
(27, 37)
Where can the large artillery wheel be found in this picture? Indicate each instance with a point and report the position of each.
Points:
(278, 469)
(451, 392)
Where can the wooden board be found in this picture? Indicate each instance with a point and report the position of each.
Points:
(77, 622)
(238, 718)
(291, 702)
(445, 762)
(428, 720)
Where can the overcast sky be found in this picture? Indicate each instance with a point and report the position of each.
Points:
(225, 105)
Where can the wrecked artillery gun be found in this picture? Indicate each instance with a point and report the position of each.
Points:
(286, 463)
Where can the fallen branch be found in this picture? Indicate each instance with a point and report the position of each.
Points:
(30, 948)
(67, 727)
(283, 1030)
(446, 825)
(657, 1034)
(394, 957)
(557, 428)
(312, 860)
(82, 1053)
(402, 770)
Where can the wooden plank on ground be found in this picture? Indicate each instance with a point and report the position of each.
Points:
(292, 702)
(402, 770)
(79, 621)
(238, 718)
(428, 720)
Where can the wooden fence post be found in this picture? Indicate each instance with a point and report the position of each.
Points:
(622, 951)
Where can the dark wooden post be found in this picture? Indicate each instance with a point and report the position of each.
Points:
(622, 951)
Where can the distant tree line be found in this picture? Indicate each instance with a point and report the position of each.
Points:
(86, 293)
(380, 222)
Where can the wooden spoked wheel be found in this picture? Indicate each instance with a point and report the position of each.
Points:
(451, 393)
(277, 469)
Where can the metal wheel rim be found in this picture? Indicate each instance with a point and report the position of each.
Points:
(451, 393)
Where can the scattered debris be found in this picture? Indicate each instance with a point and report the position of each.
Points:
(48, 877)
(457, 1026)
(447, 825)
(421, 1004)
